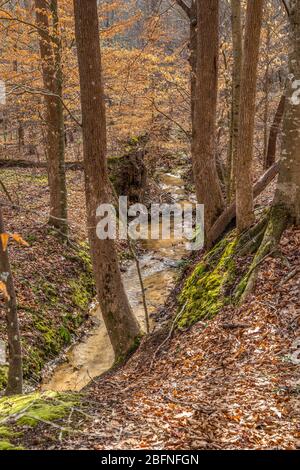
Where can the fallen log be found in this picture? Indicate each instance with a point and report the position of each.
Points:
(35, 164)
(229, 213)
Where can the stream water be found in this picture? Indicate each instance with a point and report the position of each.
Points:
(93, 355)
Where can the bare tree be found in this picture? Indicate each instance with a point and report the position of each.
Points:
(204, 132)
(50, 51)
(15, 374)
(121, 324)
(286, 204)
(237, 47)
(244, 193)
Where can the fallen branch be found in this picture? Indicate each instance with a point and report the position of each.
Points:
(35, 164)
(290, 276)
(230, 212)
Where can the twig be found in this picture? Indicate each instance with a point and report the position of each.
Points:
(14, 417)
(252, 276)
(54, 425)
(6, 192)
(290, 276)
(169, 335)
(286, 7)
(190, 405)
(138, 267)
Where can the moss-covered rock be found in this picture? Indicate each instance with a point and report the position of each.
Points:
(30, 410)
(205, 291)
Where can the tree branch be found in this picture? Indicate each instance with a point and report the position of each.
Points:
(184, 7)
(286, 7)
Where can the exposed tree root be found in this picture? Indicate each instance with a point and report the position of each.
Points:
(270, 236)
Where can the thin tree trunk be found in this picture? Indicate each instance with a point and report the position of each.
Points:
(237, 46)
(120, 322)
(267, 88)
(21, 136)
(244, 194)
(273, 135)
(206, 179)
(229, 213)
(193, 56)
(287, 196)
(286, 204)
(15, 374)
(191, 13)
(50, 51)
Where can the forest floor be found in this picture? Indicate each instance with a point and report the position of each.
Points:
(53, 279)
(229, 383)
(54, 283)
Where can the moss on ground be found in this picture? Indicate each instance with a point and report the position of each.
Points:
(3, 376)
(26, 411)
(210, 285)
(57, 308)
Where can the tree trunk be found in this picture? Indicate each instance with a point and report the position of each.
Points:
(21, 136)
(204, 133)
(237, 47)
(244, 194)
(287, 194)
(121, 324)
(229, 213)
(15, 375)
(273, 135)
(267, 90)
(286, 204)
(191, 13)
(50, 51)
(193, 56)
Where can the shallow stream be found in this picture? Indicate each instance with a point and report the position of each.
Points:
(93, 355)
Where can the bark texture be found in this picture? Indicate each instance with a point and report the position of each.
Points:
(237, 47)
(50, 51)
(15, 373)
(244, 195)
(204, 132)
(286, 204)
(121, 324)
(287, 194)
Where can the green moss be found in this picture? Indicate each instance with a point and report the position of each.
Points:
(56, 329)
(135, 344)
(203, 294)
(6, 445)
(81, 291)
(84, 256)
(49, 335)
(30, 410)
(50, 290)
(5, 432)
(3, 377)
(37, 179)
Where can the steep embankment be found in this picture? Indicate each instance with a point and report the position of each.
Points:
(229, 382)
(53, 279)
